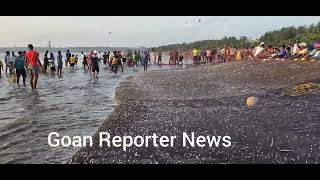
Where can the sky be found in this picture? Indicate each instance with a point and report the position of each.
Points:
(135, 31)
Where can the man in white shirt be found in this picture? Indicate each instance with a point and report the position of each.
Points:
(259, 50)
(9, 60)
(99, 56)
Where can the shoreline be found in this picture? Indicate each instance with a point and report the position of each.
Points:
(211, 99)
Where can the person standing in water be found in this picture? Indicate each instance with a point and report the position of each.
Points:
(13, 56)
(107, 58)
(82, 57)
(45, 62)
(114, 63)
(124, 57)
(60, 63)
(68, 56)
(145, 60)
(99, 56)
(25, 62)
(76, 58)
(119, 59)
(1, 67)
(9, 62)
(95, 65)
(72, 61)
(104, 58)
(136, 59)
(52, 64)
(19, 65)
(32, 58)
(90, 59)
(85, 62)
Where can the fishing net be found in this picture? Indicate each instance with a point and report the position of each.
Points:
(301, 89)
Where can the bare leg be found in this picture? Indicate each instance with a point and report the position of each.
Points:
(35, 81)
(31, 80)
(95, 73)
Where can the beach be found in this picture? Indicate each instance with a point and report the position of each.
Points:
(211, 100)
(74, 104)
(71, 104)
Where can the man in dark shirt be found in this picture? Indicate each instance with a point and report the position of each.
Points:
(19, 65)
(68, 56)
(45, 62)
(95, 64)
(60, 63)
(104, 57)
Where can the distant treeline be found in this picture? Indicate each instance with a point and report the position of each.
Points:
(64, 49)
(286, 35)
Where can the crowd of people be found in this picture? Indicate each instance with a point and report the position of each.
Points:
(116, 60)
(301, 51)
(17, 65)
(29, 61)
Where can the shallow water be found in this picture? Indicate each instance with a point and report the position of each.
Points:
(74, 104)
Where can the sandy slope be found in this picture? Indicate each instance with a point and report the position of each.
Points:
(210, 100)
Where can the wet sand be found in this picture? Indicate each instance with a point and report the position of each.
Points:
(211, 100)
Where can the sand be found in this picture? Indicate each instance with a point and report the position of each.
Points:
(211, 100)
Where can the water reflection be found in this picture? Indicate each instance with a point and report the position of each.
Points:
(73, 104)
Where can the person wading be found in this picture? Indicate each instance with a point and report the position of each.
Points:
(45, 62)
(9, 62)
(68, 56)
(114, 63)
(32, 58)
(145, 60)
(1, 67)
(60, 63)
(95, 65)
(19, 65)
(52, 64)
